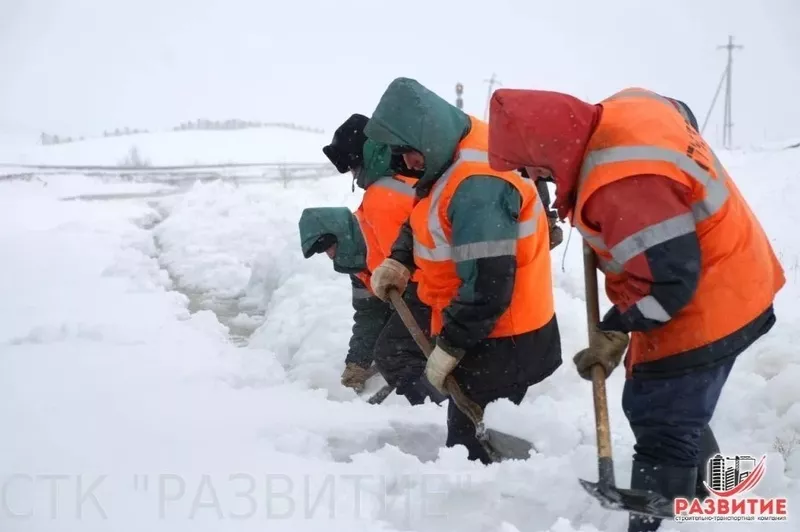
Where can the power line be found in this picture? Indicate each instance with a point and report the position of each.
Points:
(714, 100)
(727, 134)
(492, 82)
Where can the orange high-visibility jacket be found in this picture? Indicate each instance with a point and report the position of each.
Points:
(641, 133)
(532, 302)
(385, 207)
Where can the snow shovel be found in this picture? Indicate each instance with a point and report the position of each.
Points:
(384, 392)
(381, 395)
(646, 503)
(498, 445)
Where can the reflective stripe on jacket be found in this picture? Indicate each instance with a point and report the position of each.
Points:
(532, 301)
(642, 133)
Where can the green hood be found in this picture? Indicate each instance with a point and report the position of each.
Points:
(408, 114)
(377, 163)
(351, 250)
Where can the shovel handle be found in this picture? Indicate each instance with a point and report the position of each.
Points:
(470, 408)
(605, 460)
(590, 282)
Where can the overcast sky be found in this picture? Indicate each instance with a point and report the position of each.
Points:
(78, 67)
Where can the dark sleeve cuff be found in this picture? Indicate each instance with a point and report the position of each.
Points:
(629, 321)
(405, 258)
(613, 321)
(403, 248)
(442, 341)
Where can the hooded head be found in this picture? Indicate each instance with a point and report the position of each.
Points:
(345, 150)
(542, 129)
(322, 227)
(351, 151)
(409, 116)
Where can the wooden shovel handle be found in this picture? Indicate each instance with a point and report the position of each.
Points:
(598, 372)
(470, 408)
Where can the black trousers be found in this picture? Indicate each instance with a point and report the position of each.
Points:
(501, 368)
(669, 416)
(461, 431)
(397, 356)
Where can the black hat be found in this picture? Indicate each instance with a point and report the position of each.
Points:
(346, 149)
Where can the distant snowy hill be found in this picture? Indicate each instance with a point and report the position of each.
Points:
(175, 148)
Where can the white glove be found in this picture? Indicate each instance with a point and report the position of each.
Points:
(390, 274)
(440, 365)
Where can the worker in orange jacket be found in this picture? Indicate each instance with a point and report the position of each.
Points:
(357, 243)
(482, 243)
(690, 272)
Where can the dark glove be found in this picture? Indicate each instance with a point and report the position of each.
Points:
(605, 348)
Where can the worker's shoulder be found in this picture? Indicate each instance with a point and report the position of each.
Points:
(487, 186)
(486, 194)
(685, 110)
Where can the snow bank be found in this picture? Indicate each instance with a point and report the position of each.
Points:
(105, 371)
(70, 186)
(308, 337)
(108, 382)
(229, 242)
(273, 145)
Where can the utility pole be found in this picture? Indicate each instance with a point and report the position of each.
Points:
(492, 82)
(727, 131)
(459, 92)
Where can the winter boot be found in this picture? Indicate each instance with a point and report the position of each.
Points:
(355, 376)
(669, 481)
(708, 448)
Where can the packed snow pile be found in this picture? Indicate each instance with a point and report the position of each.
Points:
(175, 148)
(121, 383)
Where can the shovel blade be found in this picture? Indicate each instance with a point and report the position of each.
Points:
(640, 502)
(381, 395)
(502, 446)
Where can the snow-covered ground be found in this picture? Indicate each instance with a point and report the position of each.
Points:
(172, 148)
(127, 407)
